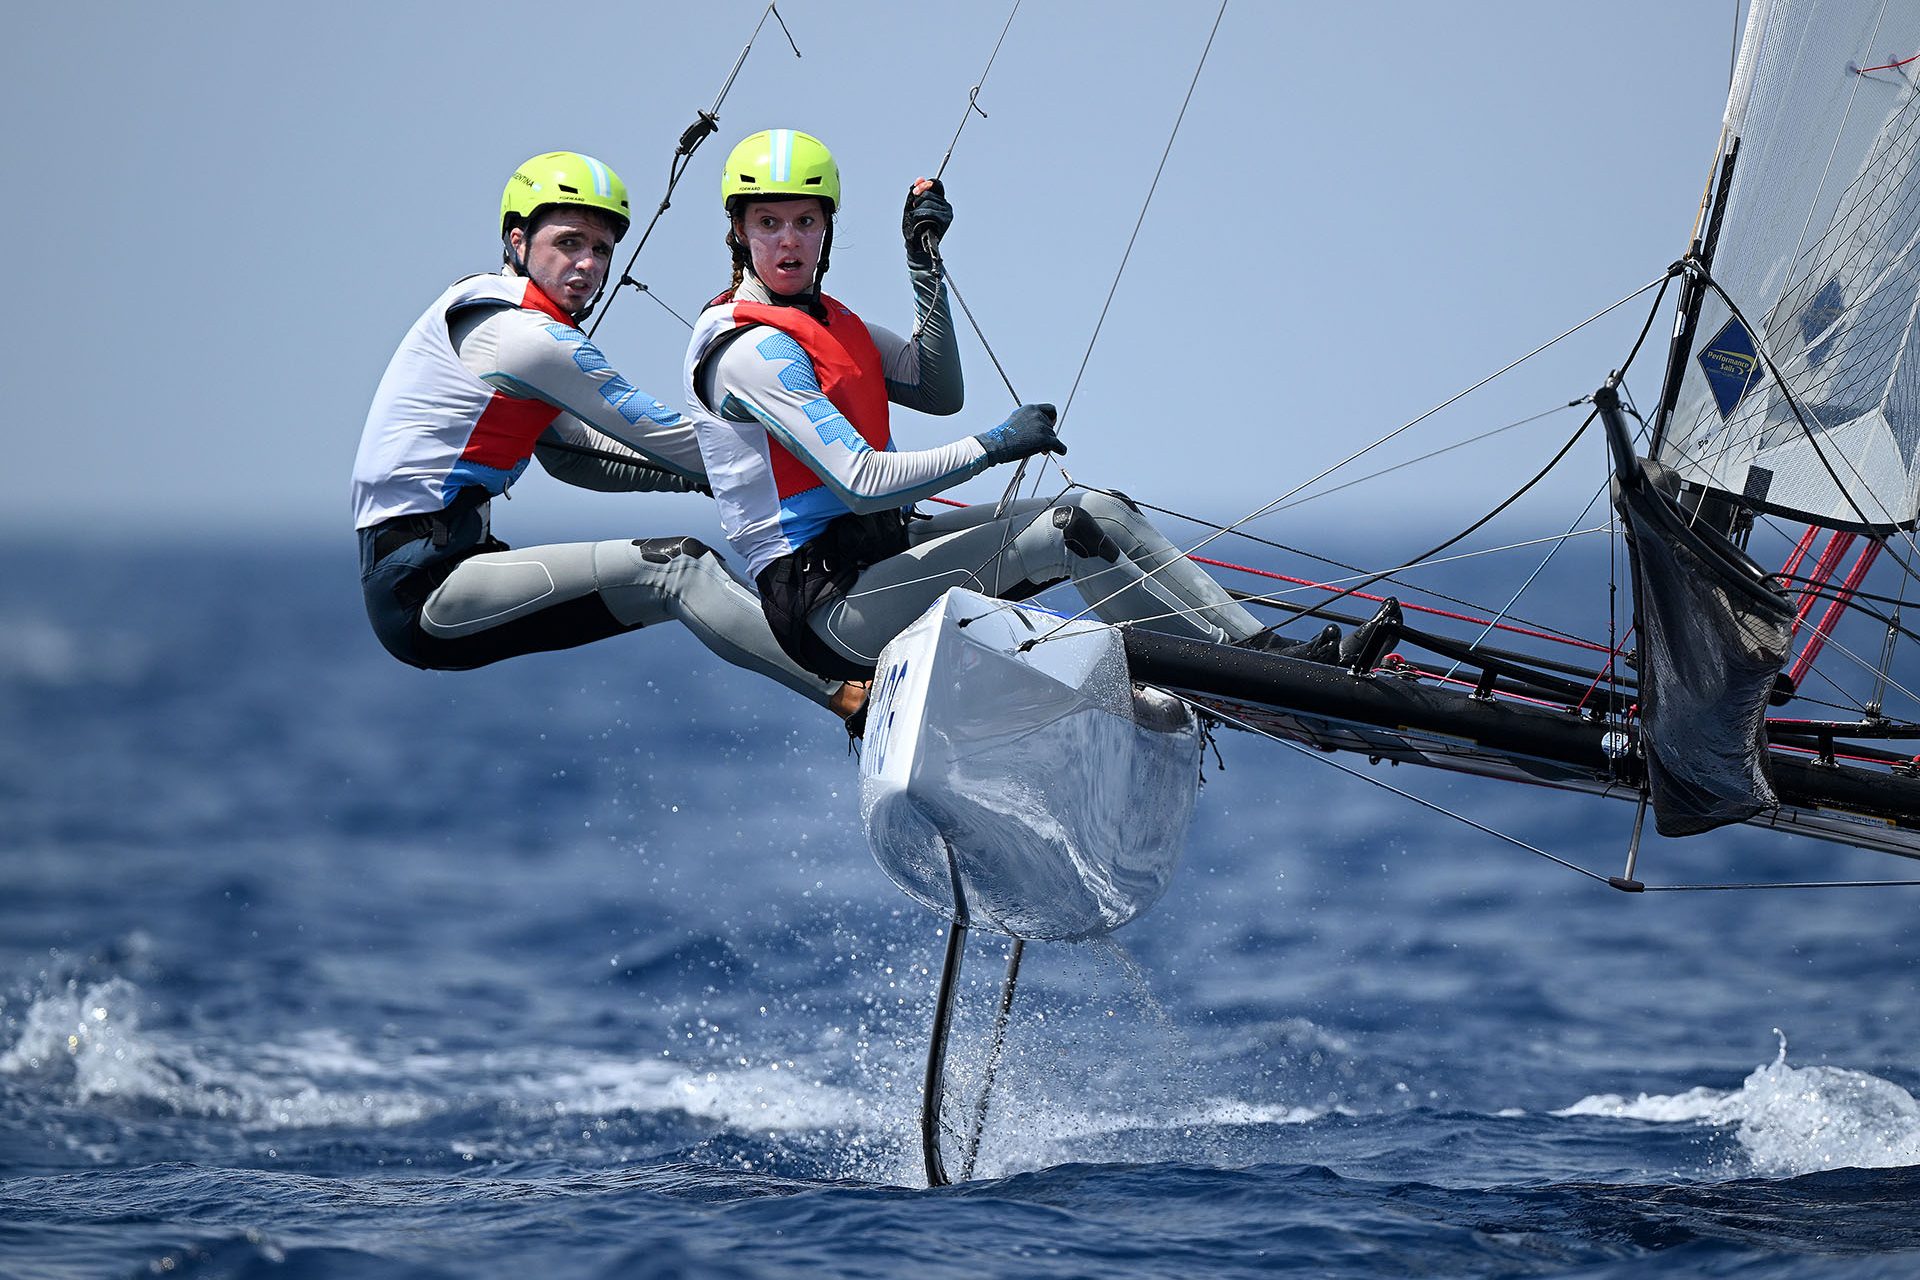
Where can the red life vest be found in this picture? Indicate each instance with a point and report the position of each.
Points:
(850, 372)
(505, 434)
(434, 427)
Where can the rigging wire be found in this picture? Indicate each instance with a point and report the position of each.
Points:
(1356, 570)
(931, 242)
(1483, 521)
(1516, 625)
(1145, 204)
(703, 127)
(1425, 457)
(1793, 402)
(1645, 329)
(947, 275)
(1543, 630)
(973, 94)
(1236, 527)
(1497, 621)
(1370, 580)
(1210, 711)
(1853, 702)
(1019, 473)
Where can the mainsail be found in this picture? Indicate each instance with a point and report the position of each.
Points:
(1819, 249)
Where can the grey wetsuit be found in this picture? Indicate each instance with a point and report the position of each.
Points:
(442, 593)
(750, 390)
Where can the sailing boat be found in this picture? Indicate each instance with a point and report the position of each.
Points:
(1788, 423)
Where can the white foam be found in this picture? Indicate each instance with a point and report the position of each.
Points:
(93, 1034)
(1235, 1111)
(1790, 1120)
(1798, 1121)
(1707, 1106)
(764, 1098)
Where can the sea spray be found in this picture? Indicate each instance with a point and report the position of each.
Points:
(1789, 1120)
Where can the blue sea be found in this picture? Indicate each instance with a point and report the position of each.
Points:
(315, 965)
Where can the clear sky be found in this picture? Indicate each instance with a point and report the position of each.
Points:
(224, 216)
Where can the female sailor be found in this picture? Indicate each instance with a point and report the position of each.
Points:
(789, 391)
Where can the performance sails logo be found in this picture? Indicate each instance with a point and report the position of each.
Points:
(1730, 362)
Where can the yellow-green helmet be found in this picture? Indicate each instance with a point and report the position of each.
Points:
(564, 177)
(780, 162)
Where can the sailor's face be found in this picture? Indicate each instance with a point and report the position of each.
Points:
(568, 256)
(784, 238)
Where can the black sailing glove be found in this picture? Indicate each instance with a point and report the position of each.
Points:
(927, 217)
(1028, 431)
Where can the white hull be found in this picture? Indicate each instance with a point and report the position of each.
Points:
(1056, 793)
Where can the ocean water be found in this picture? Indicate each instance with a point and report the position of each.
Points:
(315, 965)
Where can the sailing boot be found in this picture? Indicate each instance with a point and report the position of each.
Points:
(1324, 647)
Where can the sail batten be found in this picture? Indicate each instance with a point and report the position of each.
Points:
(1820, 253)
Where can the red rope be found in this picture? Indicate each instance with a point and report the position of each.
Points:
(1603, 672)
(1800, 552)
(1888, 66)
(1835, 607)
(1838, 755)
(1416, 608)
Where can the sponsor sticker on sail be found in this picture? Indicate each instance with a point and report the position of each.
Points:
(1730, 363)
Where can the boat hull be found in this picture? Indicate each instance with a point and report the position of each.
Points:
(1032, 791)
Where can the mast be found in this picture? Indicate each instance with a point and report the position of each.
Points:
(1692, 290)
(1713, 205)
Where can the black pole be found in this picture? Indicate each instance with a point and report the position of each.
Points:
(934, 1088)
(1687, 309)
(993, 1057)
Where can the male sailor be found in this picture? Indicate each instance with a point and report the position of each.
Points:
(494, 373)
(789, 391)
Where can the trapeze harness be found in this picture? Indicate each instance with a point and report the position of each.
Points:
(813, 549)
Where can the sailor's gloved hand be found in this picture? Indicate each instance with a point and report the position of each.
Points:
(926, 219)
(1027, 432)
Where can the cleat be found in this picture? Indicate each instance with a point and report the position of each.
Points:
(1372, 638)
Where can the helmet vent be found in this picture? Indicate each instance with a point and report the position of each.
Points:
(572, 191)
